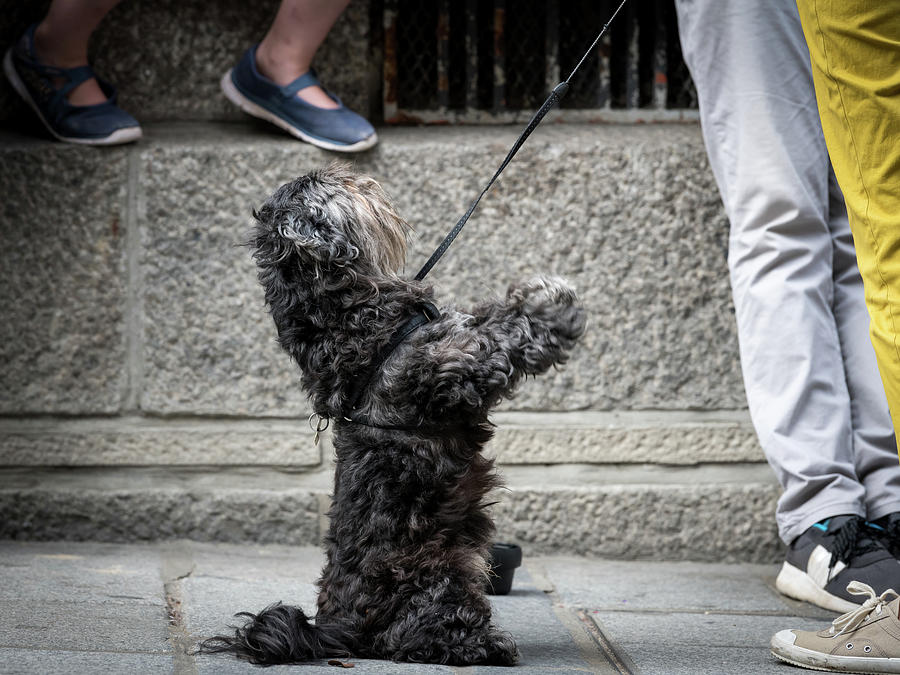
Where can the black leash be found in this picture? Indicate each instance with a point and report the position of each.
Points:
(558, 93)
(427, 312)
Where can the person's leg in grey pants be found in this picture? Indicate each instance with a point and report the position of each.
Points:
(812, 384)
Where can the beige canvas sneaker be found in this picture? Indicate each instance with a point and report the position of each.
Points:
(864, 640)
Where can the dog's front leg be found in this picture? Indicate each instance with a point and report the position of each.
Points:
(537, 323)
(483, 357)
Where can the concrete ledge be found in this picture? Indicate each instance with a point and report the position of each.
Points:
(625, 437)
(665, 437)
(696, 513)
(135, 441)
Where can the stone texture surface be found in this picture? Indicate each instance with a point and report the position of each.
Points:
(548, 438)
(543, 642)
(222, 665)
(520, 438)
(663, 522)
(167, 57)
(630, 215)
(705, 587)
(100, 601)
(634, 222)
(707, 643)
(223, 582)
(209, 344)
(56, 662)
(695, 515)
(158, 514)
(62, 279)
(137, 442)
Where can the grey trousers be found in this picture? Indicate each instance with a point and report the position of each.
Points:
(813, 388)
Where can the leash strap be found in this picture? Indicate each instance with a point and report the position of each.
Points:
(555, 97)
(558, 93)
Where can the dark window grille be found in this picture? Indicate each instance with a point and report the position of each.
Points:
(496, 60)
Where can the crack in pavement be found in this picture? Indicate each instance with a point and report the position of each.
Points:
(177, 565)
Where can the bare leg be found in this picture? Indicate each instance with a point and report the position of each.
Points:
(287, 50)
(61, 40)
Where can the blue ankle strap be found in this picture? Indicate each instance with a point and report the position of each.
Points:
(72, 76)
(307, 79)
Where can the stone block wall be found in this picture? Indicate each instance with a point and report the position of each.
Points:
(143, 396)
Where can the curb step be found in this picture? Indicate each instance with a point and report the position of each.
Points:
(712, 512)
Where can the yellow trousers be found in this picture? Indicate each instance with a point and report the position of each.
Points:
(854, 48)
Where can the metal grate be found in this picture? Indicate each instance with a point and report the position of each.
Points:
(495, 60)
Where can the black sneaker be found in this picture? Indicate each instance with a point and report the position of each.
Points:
(823, 560)
(887, 531)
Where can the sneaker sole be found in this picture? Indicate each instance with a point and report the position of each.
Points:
(118, 137)
(234, 95)
(795, 583)
(807, 658)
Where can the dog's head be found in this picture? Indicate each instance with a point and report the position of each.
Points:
(325, 243)
(334, 225)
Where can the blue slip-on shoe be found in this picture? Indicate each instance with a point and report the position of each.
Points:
(338, 129)
(101, 124)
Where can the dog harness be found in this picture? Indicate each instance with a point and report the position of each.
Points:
(425, 312)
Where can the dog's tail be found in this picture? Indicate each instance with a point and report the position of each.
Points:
(281, 634)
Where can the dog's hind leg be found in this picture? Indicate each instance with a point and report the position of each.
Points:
(492, 648)
(446, 640)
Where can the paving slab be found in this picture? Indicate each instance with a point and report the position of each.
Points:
(83, 597)
(58, 662)
(225, 580)
(108, 608)
(680, 617)
(628, 585)
(699, 643)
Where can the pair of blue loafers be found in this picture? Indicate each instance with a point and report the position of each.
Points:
(338, 129)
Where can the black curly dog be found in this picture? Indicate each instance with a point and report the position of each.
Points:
(409, 526)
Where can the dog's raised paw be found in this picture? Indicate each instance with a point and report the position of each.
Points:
(543, 291)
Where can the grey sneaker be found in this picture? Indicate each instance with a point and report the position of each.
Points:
(823, 560)
(866, 640)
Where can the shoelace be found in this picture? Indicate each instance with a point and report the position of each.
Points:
(850, 621)
(851, 540)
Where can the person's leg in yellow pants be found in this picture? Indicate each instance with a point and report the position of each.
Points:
(854, 48)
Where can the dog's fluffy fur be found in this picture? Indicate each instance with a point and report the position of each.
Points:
(409, 527)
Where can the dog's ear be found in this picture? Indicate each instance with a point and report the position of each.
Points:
(286, 232)
(315, 238)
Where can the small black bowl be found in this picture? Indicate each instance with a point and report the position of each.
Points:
(505, 558)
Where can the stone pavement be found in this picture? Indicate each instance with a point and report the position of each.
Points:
(132, 608)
